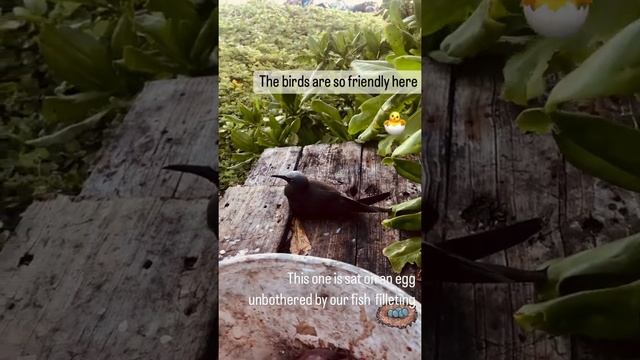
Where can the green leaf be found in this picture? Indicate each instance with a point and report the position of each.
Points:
(37, 7)
(368, 112)
(614, 69)
(175, 9)
(324, 108)
(385, 145)
(72, 108)
(534, 121)
(608, 265)
(524, 72)
(407, 222)
(404, 252)
(406, 207)
(394, 103)
(135, 59)
(600, 148)
(609, 313)
(78, 58)
(395, 38)
(408, 63)
(173, 37)
(408, 169)
(243, 141)
(70, 132)
(362, 66)
(474, 35)
(123, 35)
(207, 39)
(413, 145)
(438, 14)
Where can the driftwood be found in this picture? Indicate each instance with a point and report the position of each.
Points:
(128, 269)
(254, 217)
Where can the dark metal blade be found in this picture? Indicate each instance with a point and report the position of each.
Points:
(484, 244)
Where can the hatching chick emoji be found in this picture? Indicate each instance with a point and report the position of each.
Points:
(395, 125)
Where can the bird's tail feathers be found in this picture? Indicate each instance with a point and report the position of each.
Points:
(206, 172)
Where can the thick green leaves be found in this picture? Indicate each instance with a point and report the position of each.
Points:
(330, 116)
(613, 264)
(600, 148)
(362, 66)
(72, 108)
(70, 132)
(78, 58)
(207, 39)
(137, 60)
(534, 121)
(394, 103)
(175, 9)
(244, 141)
(368, 111)
(610, 313)
(407, 222)
(172, 36)
(524, 72)
(474, 35)
(395, 39)
(411, 170)
(412, 145)
(407, 63)
(406, 207)
(438, 14)
(123, 35)
(614, 69)
(404, 252)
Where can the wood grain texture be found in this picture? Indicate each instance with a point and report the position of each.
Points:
(107, 279)
(486, 173)
(171, 122)
(254, 216)
(128, 269)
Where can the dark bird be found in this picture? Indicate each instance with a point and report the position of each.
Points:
(313, 199)
(210, 174)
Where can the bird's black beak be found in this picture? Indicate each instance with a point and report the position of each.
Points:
(283, 177)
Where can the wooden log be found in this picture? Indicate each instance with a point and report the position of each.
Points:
(339, 166)
(171, 121)
(253, 219)
(111, 279)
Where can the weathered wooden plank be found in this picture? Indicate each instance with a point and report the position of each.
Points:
(124, 278)
(273, 161)
(338, 165)
(520, 176)
(528, 187)
(171, 121)
(252, 219)
(435, 152)
(372, 237)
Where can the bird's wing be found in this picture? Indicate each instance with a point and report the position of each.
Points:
(333, 195)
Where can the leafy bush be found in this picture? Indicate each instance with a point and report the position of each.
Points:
(263, 36)
(600, 60)
(70, 69)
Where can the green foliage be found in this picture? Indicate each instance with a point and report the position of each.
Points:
(588, 293)
(69, 69)
(258, 36)
(404, 252)
(600, 60)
